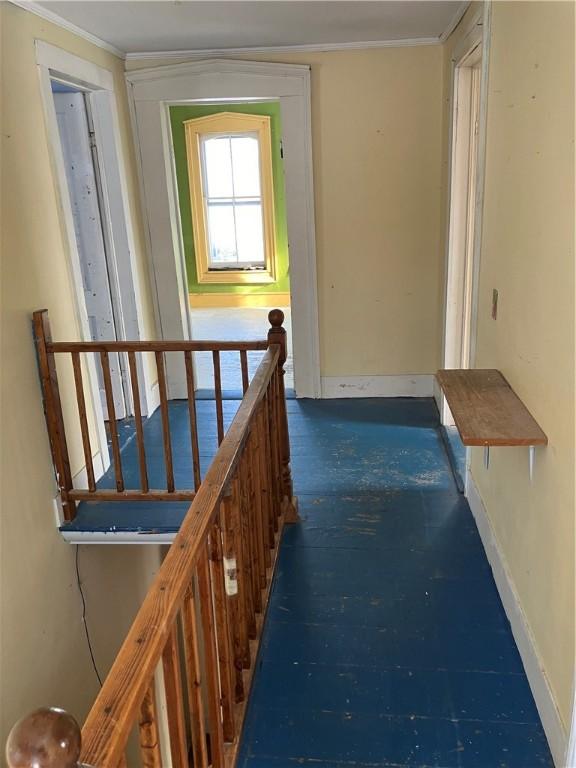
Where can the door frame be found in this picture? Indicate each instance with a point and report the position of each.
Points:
(475, 41)
(98, 83)
(152, 92)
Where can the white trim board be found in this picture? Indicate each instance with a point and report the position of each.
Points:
(54, 18)
(539, 684)
(116, 537)
(59, 21)
(152, 92)
(205, 53)
(419, 385)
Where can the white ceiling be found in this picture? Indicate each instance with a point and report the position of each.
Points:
(218, 25)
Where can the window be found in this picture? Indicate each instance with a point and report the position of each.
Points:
(232, 198)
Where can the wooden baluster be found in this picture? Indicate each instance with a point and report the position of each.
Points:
(194, 680)
(262, 459)
(138, 422)
(222, 631)
(277, 335)
(165, 421)
(112, 425)
(251, 515)
(148, 730)
(218, 395)
(247, 578)
(270, 475)
(237, 622)
(174, 701)
(244, 367)
(274, 454)
(77, 367)
(53, 411)
(254, 448)
(193, 419)
(211, 661)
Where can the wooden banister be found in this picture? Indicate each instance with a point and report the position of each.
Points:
(201, 620)
(47, 350)
(277, 335)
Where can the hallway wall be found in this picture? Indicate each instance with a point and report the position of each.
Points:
(376, 131)
(527, 254)
(44, 656)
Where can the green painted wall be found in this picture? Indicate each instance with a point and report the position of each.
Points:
(177, 117)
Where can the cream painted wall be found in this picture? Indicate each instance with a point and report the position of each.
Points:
(376, 124)
(44, 657)
(528, 255)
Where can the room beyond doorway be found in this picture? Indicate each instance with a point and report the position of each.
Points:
(230, 323)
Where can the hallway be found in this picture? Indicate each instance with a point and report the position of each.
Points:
(386, 643)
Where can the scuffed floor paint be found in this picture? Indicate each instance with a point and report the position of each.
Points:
(385, 643)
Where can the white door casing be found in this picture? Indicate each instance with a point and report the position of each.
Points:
(99, 85)
(152, 92)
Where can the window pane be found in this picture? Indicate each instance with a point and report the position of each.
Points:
(221, 237)
(249, 233)
(246, 166)
(218, 167)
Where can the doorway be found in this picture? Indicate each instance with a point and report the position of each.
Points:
(463, 234)
(228, 161)
(84, 138)
(154, 93)
(93, 241)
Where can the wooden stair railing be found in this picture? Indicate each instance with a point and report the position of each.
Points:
(192, 646)
(47, 351)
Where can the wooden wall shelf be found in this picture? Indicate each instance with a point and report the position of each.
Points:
(487, 412)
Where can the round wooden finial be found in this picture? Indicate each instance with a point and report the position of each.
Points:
(46, 738)
(276, 318)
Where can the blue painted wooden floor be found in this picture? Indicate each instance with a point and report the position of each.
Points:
(385, 643)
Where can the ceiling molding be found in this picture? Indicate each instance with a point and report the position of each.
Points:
(455, 20)
(54, 18)
(206, 53)
(59, 21)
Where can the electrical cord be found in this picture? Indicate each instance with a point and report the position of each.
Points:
(84, 616)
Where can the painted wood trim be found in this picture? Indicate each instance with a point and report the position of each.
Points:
(236, 300)
(191, 53)
(59, 21)
(521, 630)
(150, 93)
(233, 123)
(419, 385)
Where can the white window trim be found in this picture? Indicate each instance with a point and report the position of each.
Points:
(153, 91)
(53, 61)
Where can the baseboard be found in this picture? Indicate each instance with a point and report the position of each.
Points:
(152, 399)
(217, 300)
(541, 690)
(80, 479)
(420, 385)
(437, 393)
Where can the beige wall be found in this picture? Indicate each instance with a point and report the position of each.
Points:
(376, 124)
(44, 657)
(527, 254)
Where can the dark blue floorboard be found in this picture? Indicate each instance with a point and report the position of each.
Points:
(385, 643)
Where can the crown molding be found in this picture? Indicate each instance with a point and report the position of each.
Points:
(206, 53)
(54, 18)
(455, 20)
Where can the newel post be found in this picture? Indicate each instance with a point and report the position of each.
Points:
(277, 335)
(46, 738)
(53, 409)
